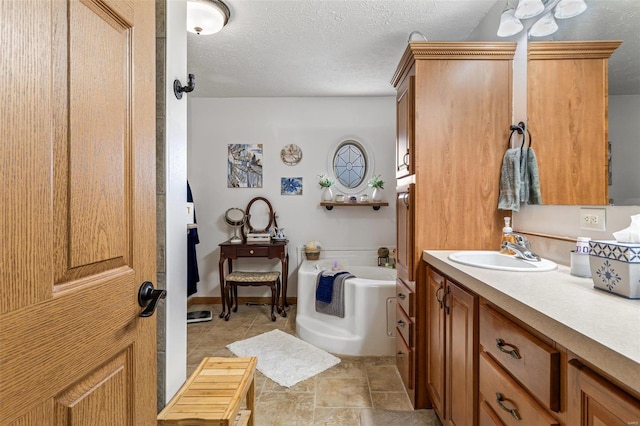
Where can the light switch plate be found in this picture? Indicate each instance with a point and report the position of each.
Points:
(593, 219)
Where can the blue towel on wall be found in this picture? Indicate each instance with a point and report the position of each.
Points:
(324, 288)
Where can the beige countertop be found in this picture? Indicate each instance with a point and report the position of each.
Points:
(601, 328)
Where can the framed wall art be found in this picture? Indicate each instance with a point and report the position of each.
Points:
(244, 166)
(291, 154)
(291, 186)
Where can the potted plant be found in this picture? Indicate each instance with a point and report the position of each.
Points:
(326, 183)
(377, 184)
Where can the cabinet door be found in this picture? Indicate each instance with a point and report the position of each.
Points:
(436, 340)
(597, 401)
(461, 309)
(405, 252)
(405, 128)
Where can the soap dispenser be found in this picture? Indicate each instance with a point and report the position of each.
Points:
(507, 236)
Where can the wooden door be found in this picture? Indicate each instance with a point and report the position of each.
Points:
(461, 308)
(78, 212)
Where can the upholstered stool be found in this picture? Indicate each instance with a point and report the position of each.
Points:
(236, 278)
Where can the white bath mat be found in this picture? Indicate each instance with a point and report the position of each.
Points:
(284, 358)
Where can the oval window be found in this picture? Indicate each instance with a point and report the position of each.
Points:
(350, 164)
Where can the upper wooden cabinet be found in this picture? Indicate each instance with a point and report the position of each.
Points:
(405, 127)
(567, 110)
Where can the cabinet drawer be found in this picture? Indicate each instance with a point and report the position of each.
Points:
(404, 362)
(487, 416)
(531, 361)
(507, 399)
(253, 251)
(404, 326)
(405, 298)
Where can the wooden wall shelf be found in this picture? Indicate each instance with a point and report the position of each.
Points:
(329, 205)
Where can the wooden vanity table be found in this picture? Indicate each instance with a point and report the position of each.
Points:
(271, 250)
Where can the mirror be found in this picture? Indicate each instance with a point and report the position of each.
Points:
(259, 215)
(615, 20)
(235, 218)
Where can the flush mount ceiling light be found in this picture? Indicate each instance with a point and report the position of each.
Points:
(528, 9)
(206, 17)
(544, 26)
(569, 8)
(509, 24)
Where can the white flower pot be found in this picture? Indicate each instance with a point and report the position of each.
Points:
(327, 194)
(376, 195)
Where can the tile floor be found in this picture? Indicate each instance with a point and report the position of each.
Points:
(333, 397)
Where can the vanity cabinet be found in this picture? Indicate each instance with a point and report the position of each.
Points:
(567, 109)
(451, 350)
(596, 401)
(453, 117)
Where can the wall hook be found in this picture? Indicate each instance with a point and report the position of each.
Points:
(179, 89)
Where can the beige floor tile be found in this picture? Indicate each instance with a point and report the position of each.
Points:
(391, 400)
(306, 386)
(337, 417)
(342, 393)
(348, 367)
(283, 409)
(384, 378)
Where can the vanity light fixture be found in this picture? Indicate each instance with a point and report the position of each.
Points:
(510, 19)
(569, 8)
(509, 24)
(528, 9)
(544, 26)
(206, 17)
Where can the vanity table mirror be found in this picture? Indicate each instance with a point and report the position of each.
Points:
(259, 215)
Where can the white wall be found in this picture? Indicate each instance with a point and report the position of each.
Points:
(176, 199)
(314, 124)
(624, 134)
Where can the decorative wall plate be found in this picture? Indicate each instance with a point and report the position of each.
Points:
(291, 154)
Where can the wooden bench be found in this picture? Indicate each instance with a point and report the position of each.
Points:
(213, 395)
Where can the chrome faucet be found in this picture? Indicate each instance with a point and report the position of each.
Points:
(522, 248)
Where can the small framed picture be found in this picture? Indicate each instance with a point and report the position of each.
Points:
(291, 186)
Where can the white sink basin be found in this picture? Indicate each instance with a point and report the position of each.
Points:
(501, 262)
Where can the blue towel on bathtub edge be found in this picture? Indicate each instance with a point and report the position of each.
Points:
(324, 286)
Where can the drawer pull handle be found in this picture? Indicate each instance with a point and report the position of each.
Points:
(500, 344)
(250, 251)
(400, 355)
(402, 323)
(441, 287)
(512, 411)
(401, 296)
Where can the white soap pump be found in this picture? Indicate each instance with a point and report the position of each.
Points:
(507, 236)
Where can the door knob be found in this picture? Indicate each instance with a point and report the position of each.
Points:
(148, 298)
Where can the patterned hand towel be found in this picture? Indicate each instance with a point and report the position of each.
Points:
(335, 306)
(535, 196)
(510, 181)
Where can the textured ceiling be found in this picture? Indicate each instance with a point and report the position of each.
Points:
(274, 48)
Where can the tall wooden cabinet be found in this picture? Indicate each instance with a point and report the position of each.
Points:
(567, 109)
(453, 118)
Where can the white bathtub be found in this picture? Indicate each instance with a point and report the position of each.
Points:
(368, 327)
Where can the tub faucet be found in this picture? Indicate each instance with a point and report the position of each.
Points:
(522, 248)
